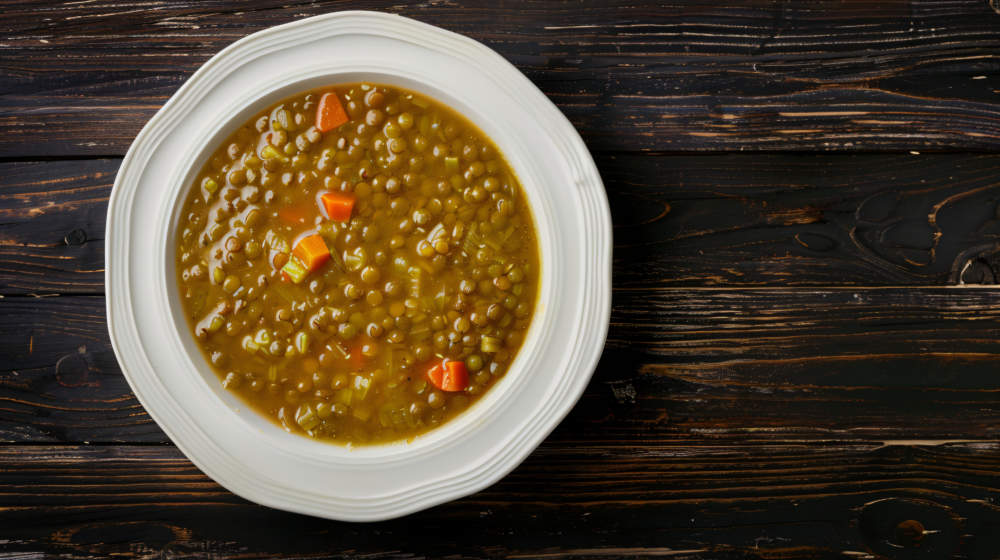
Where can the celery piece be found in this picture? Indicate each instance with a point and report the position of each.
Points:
(361, 386)
(306, 417)
(302, 342)
(338, 263)
(451, 164)
(352, 261)
(436, 232)
(420, 334)
(269, 152)
(490, 344)
(295, 270)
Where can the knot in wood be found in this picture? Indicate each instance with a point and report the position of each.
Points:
(910, 533)
(910, 528)
(75, 237)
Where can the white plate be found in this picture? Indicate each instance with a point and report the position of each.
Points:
(246, 453)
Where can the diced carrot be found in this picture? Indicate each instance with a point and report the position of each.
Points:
(449, 375)
(330, 113)
(357, 356)
(436, 374)
(338, 205)
(312, 251)
(456, 376)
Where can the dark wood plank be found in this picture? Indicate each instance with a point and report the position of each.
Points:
(82, 78)
(52, 219)
(564, 502)
(60, 380)
(691, 366)
(680, 220)
(805, 219)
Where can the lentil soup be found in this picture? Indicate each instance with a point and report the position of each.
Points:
(358, 263)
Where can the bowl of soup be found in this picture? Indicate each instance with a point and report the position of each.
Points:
(358, 266)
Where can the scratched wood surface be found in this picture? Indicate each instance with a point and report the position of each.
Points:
(802, 360)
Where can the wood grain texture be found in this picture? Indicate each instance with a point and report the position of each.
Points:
(747, 220)
(52, 220)
(805, 219)
(681, 366)
(82, 77)
(60, 380)
(564, 502)
(802, 354)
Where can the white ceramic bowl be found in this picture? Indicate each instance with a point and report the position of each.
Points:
(248, 454)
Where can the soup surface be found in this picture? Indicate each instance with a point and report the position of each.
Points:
(358, 263)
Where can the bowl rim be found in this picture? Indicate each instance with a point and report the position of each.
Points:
(152, 391)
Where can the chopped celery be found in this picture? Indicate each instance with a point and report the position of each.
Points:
(416, 280)
(472, 240)
(272, 373)
(451, 164)
(295, 270)
(420, 334)
(302, 342)
(338, 263)
(490, 344)
(352, 261)
(269, 152)
(343, 396)
(467, 214)
(436, 232)
(341, 349)
(306, 417)
(361, 386)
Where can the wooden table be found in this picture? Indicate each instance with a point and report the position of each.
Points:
(803, 357)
